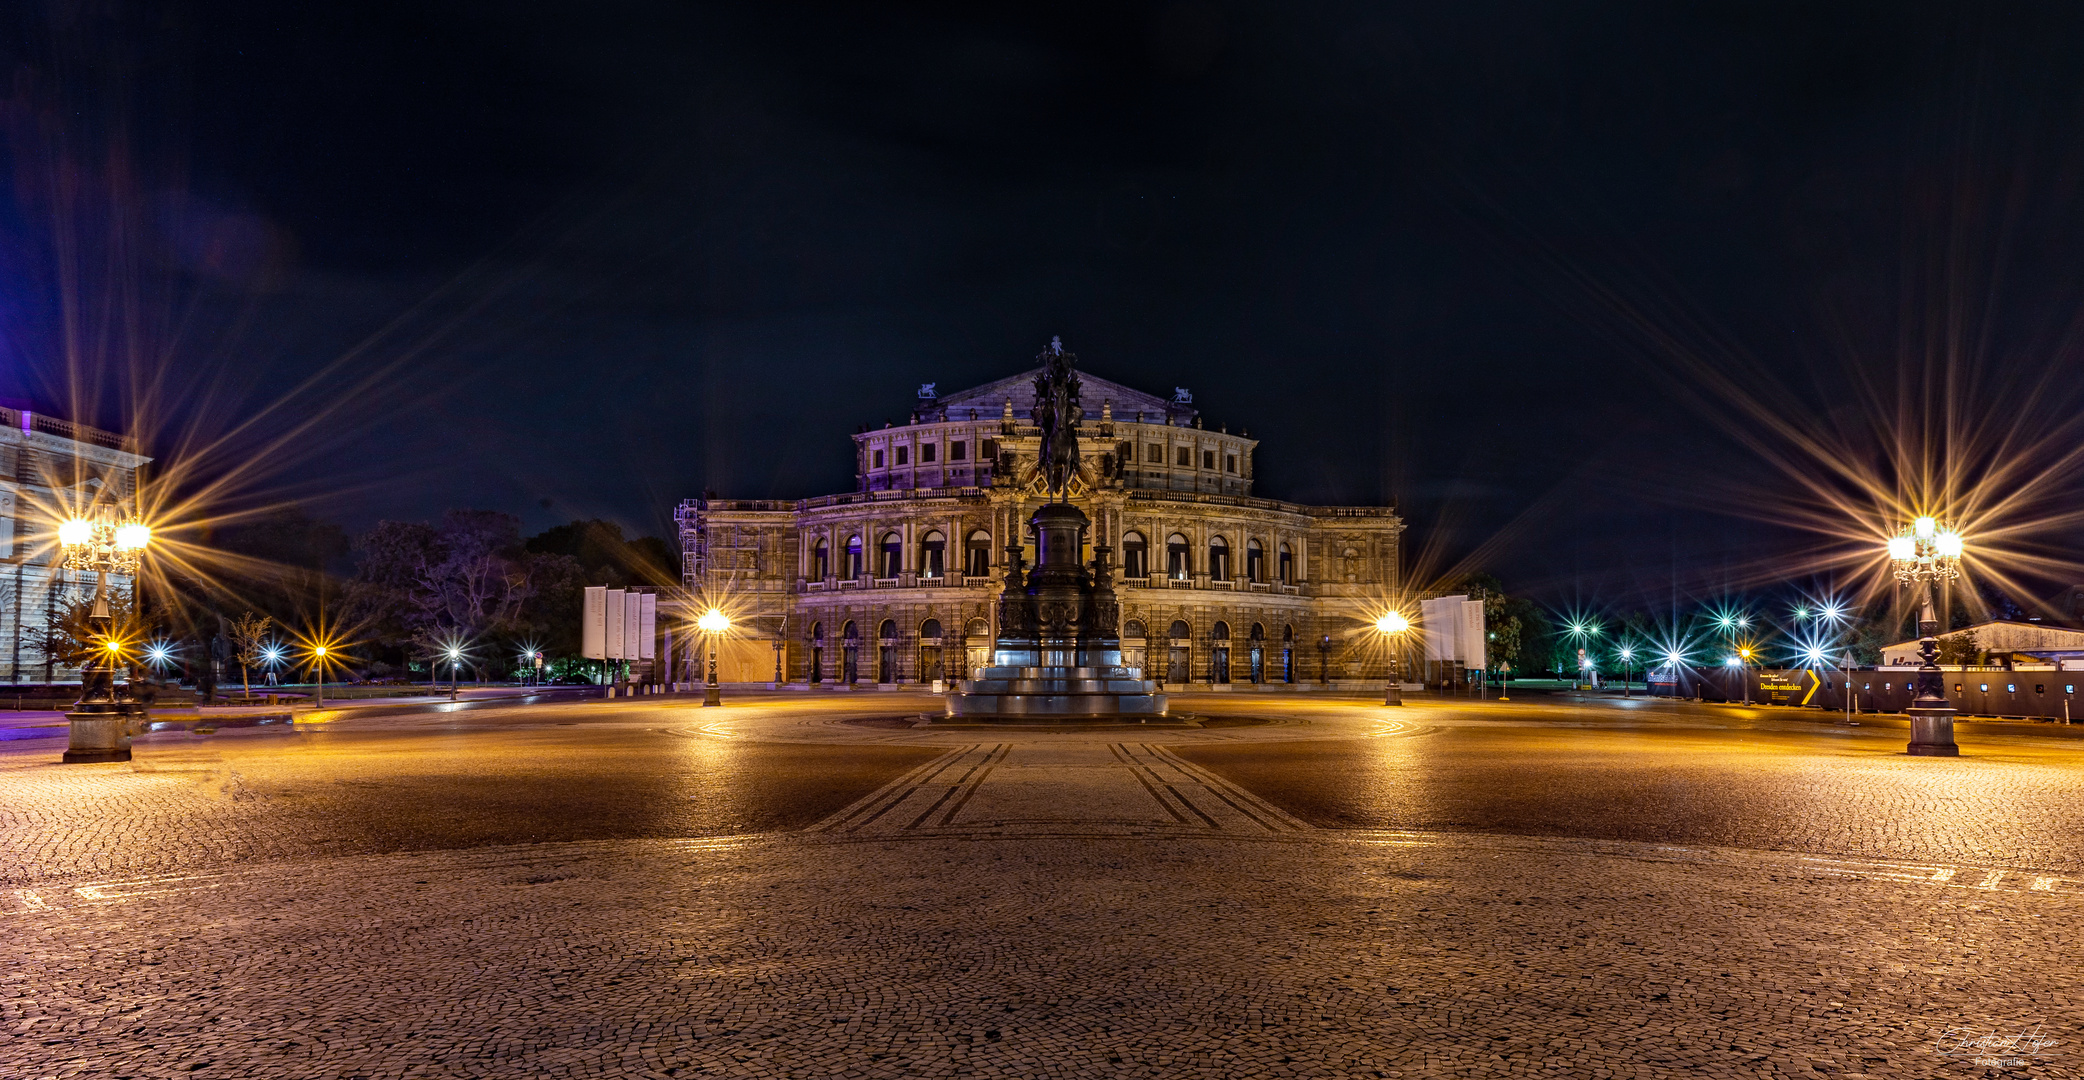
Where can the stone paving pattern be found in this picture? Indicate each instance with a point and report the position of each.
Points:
(914, 902)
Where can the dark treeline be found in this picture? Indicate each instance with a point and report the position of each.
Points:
(388, 601)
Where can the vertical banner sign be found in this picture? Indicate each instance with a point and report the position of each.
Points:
(632, 617)
(614, 622)
(593, 624)
(1473, 651)
(647, 627)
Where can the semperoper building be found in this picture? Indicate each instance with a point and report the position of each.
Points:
(894, 582)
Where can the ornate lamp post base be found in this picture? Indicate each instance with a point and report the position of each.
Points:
(1931, 714)
(100, 732)
(1932, 733)
(1393, 694)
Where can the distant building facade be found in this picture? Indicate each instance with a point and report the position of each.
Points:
(50, 468)
(895, 582)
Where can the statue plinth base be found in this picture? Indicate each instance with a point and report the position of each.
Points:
(1067, 690)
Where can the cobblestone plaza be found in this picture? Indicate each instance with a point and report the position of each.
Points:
(792, 887)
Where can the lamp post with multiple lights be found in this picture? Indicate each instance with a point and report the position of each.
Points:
(1627, 666)
(713, 623)
(101, 722)
(1392, 626)
(1927, 555)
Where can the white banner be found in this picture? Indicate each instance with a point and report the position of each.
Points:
(632, 624)
(1440, 620)
(593, 624)
(614, 618)
(647, 628)
(1472, 652)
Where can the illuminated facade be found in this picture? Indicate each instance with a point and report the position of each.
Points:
(50, 468)
(894, 583)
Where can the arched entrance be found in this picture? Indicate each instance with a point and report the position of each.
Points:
(1219, 653)
(886, 652)
(930, 668)
(977, 642)
(849, 653)
(1176, 657)
(817, 653)
(1258, 644)
(1135, 648)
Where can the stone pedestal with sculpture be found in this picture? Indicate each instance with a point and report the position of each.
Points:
(1058, 653)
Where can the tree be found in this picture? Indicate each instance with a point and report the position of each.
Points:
(248, 636)
(71, 637)
(464, 581)
(1959, 649)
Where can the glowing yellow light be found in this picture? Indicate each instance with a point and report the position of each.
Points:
(114, 646)
(1948, 544)
(75, 532)
(319, 651)
(713, 622)
(133, 537)
(1924, 527)
(1393, 623)
(1902, 548)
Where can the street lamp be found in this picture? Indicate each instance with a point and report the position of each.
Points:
(318, 660)
(1627, 665)
(1392, 626)
(455, 655)
(713, 623)
(100, 723)
(1926, 555)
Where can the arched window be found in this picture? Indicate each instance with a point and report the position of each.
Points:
(1180, 630)
(1132, 629)
(1288, 633)
(1286, 565)
(976, 556)
(1176, 550)
(1258, 632)
(1218, 559)
(887, 631)
(977, 628)
(1255, 561)
(1219, 632)
(856, 564)
(930, 630)
(892, 555)
(933, 554)
(820, 561)
(848, 632)
(1136, 559)
(1219, 653)
(817, 632)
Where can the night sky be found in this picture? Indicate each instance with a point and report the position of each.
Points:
(1532, 272)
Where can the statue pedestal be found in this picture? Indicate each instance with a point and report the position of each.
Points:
(1055, 693)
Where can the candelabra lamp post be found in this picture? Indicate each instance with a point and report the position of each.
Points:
(103, 719)
(1927, 555)
(1392, 626)
(713, 623)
